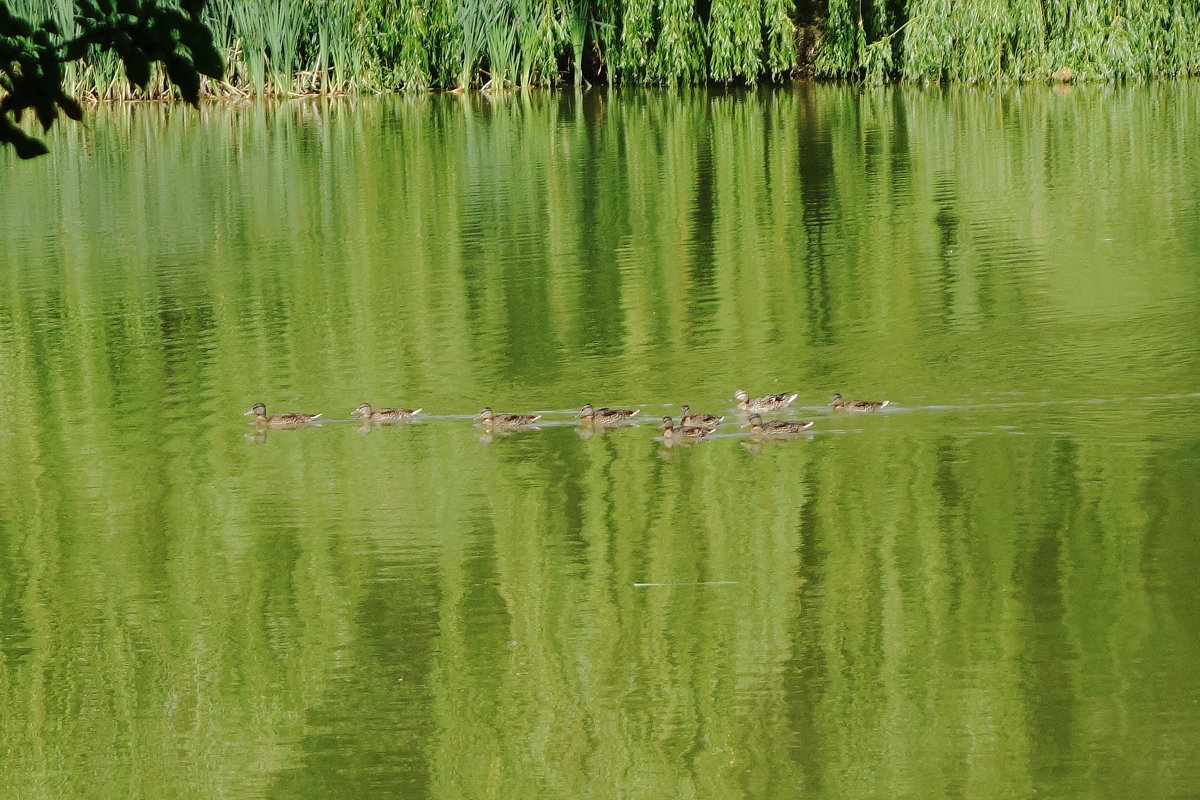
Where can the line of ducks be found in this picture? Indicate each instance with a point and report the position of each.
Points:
(692, 427)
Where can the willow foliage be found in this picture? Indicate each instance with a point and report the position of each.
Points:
(734, 33)
(1020, 40)
(678, 56)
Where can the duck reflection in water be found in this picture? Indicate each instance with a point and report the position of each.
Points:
(489, 435)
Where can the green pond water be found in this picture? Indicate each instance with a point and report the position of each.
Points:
(987, 590)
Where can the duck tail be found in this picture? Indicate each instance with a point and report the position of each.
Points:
(884, 403)
(636, 411)
(315, 416)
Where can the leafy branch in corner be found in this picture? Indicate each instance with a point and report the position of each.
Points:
(140, 32)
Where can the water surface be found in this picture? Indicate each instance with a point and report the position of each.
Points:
(986, 590)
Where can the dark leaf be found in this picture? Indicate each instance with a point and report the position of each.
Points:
(184, 75)
(20, 27)
(47, 112)
(76, 49)
(51, 27)
(122, 43)
(70, 107)
(207, 60)
(137, 69)
(28, 147)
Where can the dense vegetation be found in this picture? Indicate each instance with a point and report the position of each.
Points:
(287, 46)
(984, 40)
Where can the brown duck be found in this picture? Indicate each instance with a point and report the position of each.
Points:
(286, 420)
(770, 402)
(491, 420)
(606, 416)
(775, 428)
(860, 406)
(385, 414)
(686, 432)
(690, 420)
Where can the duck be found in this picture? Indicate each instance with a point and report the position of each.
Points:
(490, 420)
(861, 406)
(385, 414)
(690, 420)
(690, 432)
(285, 420)
(759, 428)
(606, 416)
(770, 402)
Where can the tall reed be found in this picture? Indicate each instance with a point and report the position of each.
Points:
(290, 46)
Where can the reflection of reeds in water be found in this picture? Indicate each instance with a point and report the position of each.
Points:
(682, 184)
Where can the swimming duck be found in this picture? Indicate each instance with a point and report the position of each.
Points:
(861, 406)
(385, 414)
(690, 420)
(606, 416)
(488, 419)
(770, 402)
(693, 433)
(759, 428)
(286, 420)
